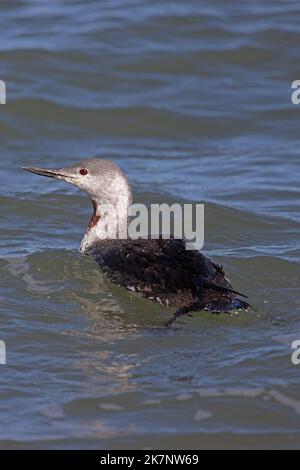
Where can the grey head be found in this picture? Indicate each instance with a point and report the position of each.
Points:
(106, 184)
(100, 178)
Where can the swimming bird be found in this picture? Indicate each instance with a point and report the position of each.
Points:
(160, 269)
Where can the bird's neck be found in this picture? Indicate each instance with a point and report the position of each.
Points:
(109, 221)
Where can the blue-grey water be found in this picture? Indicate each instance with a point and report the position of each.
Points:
(193, 100)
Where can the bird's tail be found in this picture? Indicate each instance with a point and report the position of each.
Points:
(215, 286)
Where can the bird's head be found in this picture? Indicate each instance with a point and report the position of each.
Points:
(110, 191)
(103, 180)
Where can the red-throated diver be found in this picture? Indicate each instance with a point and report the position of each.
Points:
(162, 270)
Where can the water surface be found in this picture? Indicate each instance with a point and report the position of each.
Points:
(192, 99)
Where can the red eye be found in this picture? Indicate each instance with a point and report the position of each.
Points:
(83, 172)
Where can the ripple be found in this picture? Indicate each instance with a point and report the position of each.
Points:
(193, 100)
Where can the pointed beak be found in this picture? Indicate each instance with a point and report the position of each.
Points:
(59, 174)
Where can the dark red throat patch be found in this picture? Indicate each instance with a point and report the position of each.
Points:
(95, 219)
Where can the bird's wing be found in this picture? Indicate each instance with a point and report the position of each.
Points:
(165, 271)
